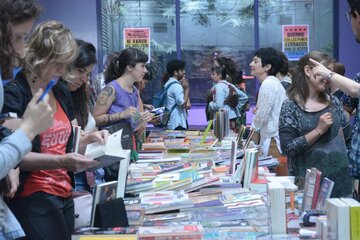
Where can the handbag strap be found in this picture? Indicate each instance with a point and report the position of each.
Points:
(232, 89)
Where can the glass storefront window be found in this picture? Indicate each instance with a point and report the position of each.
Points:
(212, 28)
(159, 16)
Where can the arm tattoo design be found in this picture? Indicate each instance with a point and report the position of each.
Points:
(104, 95)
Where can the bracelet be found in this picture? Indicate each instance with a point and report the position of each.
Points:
(329, 76)
(317, 131)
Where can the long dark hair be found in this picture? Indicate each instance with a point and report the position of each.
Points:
(220, 71)
(230, 66)
(299, 89)
(354, 6)
(129, 56)
(86, 57)
(13, 12)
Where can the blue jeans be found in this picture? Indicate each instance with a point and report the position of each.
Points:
(80, 182)
(44, 216)
(13, 228)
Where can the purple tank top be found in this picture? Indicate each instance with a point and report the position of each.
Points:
(123, 100)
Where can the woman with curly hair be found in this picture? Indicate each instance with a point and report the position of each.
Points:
(43, 204)
(16, 20)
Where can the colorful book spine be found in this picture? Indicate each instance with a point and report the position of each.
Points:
(317, 174)
(324, 193)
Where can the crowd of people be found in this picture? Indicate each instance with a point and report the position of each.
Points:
(301, 113)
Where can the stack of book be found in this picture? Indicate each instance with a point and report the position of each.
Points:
(193, 232)
(163, 201)
(343, 217)
(127, 233)
(316, 191)
(221, 124)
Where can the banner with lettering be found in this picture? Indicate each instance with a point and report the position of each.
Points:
(137, 38)
(295, 41)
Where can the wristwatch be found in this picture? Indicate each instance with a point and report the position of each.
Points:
(329, 76)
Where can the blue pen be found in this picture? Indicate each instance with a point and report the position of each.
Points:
(47, 89)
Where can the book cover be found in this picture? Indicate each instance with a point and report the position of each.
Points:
(202, 182)
(123, 233)
(324, 193)
(250, 166)
(233, 157)
(153, 146)
(105, 217)
(170, 217)
(8, 115)
(240, 135)
(316, 187)
(277, 207)
(123, 174)
(248, 139)
(206, 132)
(107, 154)
(169, 231)
(103, 192)
(161, 208)
(127, 136)
(134, 217)
(76, 138)
(354, 217)
(305, 201)
(338, 214)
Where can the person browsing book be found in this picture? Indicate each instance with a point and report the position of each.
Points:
(265, 65)
(43, 204)
(120, 101)
(17, 18)
(221, 91)
(77, 80)
(313, 127)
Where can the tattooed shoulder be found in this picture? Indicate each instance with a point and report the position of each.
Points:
(105, 94)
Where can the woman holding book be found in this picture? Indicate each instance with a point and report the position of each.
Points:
(17, 18)
(120, 101)
(312, 127)
(43, 205)
(77, 81)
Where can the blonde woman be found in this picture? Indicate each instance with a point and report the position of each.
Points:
(43, 205)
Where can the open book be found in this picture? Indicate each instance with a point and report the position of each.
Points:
(108, 153)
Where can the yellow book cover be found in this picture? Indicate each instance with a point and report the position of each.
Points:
(354, 217)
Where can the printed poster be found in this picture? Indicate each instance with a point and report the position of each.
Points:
(295, 41)
(137, 38)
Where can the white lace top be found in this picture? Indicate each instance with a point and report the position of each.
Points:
(270, 98)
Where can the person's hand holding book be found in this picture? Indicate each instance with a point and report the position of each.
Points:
(76, 162)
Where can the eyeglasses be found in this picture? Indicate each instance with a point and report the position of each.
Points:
(348, 15)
